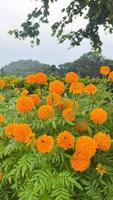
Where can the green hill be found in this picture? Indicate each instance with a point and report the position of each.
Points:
(24, 67)
(87, 65)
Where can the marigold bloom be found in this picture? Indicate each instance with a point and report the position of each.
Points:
(65, 140)
(1, 176)
(24, 92)
(71, 77)
(2, 83)
(24, 104)
(65, 103)
(101, 169)
(77, 88)
(110, 77)
(81, 126)
(103, 141)
(22, 132)
(90, 89)
(86, 147)
(98, 116)
(2, 97)
(41, 78)
(79, 164)
(53, 99)
(44, 143)
(1, 118)
(9, 130)
(68, 114)
(31, 79)
(104, 70)
(46, 112)
(36, 99)
(57, 87)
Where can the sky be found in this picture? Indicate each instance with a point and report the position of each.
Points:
(14, 12)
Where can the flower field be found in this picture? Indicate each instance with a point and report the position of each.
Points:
(56, 137)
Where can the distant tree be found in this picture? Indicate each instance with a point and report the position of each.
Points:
(98, 13)
(87, 65)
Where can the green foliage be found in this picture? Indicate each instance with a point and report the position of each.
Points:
(28, 174)
(97, 13)
(87, 65)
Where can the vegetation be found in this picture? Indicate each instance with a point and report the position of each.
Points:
(56, 137)
(87, 65)
(96, 14)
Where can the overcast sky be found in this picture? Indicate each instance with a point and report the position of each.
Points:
(14, 12)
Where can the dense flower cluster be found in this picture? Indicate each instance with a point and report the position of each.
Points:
(85, 149)
(39, 78)
(63, 117)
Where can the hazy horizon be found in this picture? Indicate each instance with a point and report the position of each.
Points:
(12, 14)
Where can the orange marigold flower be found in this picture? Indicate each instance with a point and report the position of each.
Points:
(53, 99)
(57, 87)
(9, 130)
(104, 70)
(90, 89)
(79, 164)
(68, 114)
(98, 116)
(81, 126)
(71, 77)
(65, 103)
(65, 140)
(1, 118)
(30, 79)
(22, 132)
(24, 92)
(36, 99)
(46, 112)
(41, 78)
(24, 104)
(110, 77)
(77, 88)
(2, 83)
(44, 143)
(103, 141)
(86, 147)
